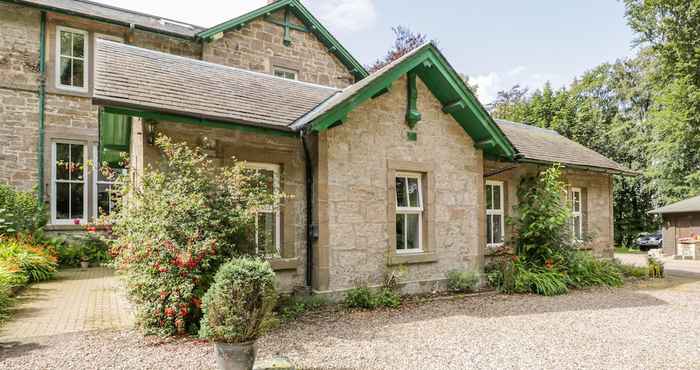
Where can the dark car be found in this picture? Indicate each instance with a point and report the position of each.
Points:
(651, 241)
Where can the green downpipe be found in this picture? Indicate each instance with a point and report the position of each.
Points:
(42, 105)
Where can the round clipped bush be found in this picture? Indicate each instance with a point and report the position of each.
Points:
(238, 306)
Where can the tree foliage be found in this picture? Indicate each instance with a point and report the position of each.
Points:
(405, 41)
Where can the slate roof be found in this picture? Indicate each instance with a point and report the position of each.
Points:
(116, 15)
(132, 77)
(687, 205)
(539, 144)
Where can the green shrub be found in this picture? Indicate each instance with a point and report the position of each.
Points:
(30, 258)
(360, 297)
(462, 281)
(584, 270)
(501, 273)
(176, 227)
(655, 267)
(20, 212)
(365, 298)
(292, 307)
(238, 306)
(542, 228)
(541, 281)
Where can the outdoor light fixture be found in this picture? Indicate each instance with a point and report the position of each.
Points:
(150, 128)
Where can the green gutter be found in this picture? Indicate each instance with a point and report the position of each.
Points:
(581, 167)
(42, 106)
(159, 116)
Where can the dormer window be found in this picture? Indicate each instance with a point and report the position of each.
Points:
(71, 59)
(284, 73)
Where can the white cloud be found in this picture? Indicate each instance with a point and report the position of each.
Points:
(491, 83)
(344, 15)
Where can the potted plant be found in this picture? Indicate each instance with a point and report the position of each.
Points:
(84, 261)
(237, 310)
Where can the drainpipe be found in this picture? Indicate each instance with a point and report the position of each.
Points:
(42, 105)
(309, 211)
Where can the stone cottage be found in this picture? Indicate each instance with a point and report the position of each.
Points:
(399, 167)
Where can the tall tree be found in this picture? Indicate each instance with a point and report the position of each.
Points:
(671, 30)
(405, 41)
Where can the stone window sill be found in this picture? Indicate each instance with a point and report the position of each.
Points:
(283, 264)
(407, 259)
(72, 227)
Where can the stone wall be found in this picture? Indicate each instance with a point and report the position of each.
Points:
(284, 151)
(597, 199)
(360, 158)
(258, 46)
(19, 46)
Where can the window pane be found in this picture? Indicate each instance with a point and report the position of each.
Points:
(104, 203)
(76, 201)
(66, 71)
(496, 197)
(489, 197)
(76, 165)
(577, 227)
(489, 229)
(400, 234)
(65, 43)
(78, 45)
(497, 231)
(413, 235)
(62, 161)
(267, 233)
(577, 201)
(62, 201)
(413, 192)
(78, 73)
(401, 200)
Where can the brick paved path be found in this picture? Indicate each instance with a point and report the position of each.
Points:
(77, 300)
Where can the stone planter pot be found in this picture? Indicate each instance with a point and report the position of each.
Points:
(84, 264)
(239, 356)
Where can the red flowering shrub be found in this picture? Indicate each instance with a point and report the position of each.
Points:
(175, 227)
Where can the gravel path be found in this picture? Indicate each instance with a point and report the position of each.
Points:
(636, 327)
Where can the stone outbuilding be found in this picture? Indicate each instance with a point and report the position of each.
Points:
(680, 225)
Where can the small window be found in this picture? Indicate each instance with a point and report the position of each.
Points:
(69, 191)
(267, 221)
(285, 73)
(71, 59)
(495, 225)
(409, 213)
(576, 214)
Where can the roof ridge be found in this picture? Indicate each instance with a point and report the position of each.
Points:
(204, 62)
(108, 6)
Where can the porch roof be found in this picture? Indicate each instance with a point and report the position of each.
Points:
(140, 79)
(684, 206)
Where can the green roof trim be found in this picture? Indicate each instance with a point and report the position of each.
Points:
(159, 116)
(305, 16)
(446, 85)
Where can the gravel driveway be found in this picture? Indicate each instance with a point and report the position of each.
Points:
(643, 326)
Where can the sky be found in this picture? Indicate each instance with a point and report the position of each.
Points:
(497, 43)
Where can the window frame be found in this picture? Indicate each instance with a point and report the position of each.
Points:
(54, 181)
(498, 212)
(86, 60)
(403, 211)
(96, 182)
(275, 69)
(276, 170)
(575, 213)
